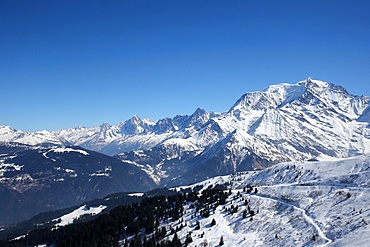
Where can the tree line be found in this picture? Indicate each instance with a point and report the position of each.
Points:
(134, 225)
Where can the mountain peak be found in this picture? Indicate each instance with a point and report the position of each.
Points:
(6, 128)
(316, 84)
(105, 126)
(199, 111)
(135, 118)
(271, 97)
(319, 86)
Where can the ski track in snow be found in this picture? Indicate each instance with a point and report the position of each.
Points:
(308, 218)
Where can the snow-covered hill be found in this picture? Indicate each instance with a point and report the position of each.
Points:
(311, 119)
(294, 204)
(317, 203)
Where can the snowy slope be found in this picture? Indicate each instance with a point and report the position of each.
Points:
(295, 204)
(79, 212)
(318, 203)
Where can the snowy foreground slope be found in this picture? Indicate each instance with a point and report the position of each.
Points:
(296, 204)
(325, 203)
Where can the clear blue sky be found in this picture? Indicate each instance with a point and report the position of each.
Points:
(69, 63)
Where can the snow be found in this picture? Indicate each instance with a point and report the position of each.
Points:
(4, 167)
(136, 194)
(320, 203)
(70, 217)
(309, 120)
(64, 150)
(19, 237)
(324, 203)
(7, 133)
(99, 175)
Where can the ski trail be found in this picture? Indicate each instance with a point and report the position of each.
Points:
(45, 155)
(306, 217)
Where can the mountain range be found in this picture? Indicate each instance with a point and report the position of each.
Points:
(309, 120)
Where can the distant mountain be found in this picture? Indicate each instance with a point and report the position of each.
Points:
(308, 120)
(311, 119)
(289, 204)
(34, 179)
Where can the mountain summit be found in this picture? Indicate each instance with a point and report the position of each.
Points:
(311, 119)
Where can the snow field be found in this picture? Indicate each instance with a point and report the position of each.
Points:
(69, 218)
(296, 204)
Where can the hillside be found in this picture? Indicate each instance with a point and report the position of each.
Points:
(290, 204)
(34, 179)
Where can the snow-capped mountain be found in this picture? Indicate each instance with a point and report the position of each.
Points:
(311, 119)
(308, 120)
(133, 134)
(44, 138)
(317, 203)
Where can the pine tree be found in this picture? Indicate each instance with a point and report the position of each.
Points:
(176, 241)
(188, 239)
(198, 226)
(221, 241)
(244, 214)
(213, 222)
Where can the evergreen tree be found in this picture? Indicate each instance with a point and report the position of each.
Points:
(213, 222)
(188, 239)
(221, 241)
(176, 241)
(198, 226)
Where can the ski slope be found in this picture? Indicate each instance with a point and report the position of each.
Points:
(324, 203)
